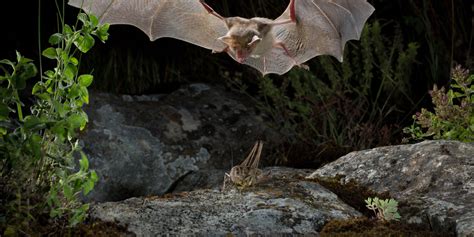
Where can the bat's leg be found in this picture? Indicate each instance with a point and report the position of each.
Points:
(211, 11)
(283, 46)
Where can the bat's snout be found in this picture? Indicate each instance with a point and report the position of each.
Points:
(240, 56)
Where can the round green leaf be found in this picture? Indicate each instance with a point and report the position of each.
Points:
(70, 71)
(94, 176)
(74, 61)
(28, 71)
(94, 21)
(49, 74)
(85, 80)
(84, 43)
(77, 121)
(37, 87)
(67, 30)
(84, 94)
(82, 17)
(102, 32)
(84, 162)
(50, 53)
(55, 38)
(73, 92)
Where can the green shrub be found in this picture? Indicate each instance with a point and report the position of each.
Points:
(453, 116)
(39, 151)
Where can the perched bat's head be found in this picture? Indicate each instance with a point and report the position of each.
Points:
(243, 37)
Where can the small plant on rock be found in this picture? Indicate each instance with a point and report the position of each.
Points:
(385, 210)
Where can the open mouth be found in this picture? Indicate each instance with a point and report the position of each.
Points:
(240, 56)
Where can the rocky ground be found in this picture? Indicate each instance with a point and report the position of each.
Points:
(161, 160)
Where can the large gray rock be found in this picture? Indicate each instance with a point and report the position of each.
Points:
(432, 179)
(284, 204)
(186, 140)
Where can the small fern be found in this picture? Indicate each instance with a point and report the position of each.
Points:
(385, 210)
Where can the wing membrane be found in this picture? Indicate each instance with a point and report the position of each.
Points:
(185, 20)
(323, 27)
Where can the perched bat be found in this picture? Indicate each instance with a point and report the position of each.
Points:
(306, 29)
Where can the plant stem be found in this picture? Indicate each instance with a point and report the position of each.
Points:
(39, 42)
(20, 113)
(18, 106)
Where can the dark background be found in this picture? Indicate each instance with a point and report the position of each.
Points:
(130, 63)
(179, 61)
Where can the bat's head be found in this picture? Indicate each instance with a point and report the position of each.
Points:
(243, 36)
(242, 45)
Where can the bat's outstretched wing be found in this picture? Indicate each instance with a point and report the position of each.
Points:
(323, 27)
(187, 20)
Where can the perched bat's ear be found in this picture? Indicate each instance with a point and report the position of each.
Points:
(255, 39)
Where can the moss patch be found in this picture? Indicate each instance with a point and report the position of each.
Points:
(355, 195)
(372, 227)
(87, 228)
(100, 228)
(351, 193)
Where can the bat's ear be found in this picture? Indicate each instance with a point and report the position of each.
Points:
(263, 27)
(226, 39)
(255, 39)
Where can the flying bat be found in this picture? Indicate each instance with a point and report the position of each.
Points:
(306, 29)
